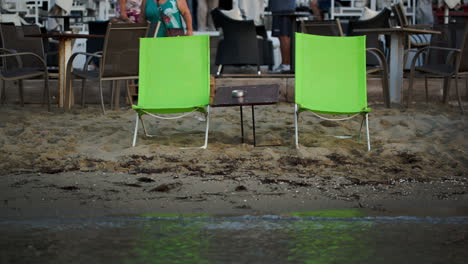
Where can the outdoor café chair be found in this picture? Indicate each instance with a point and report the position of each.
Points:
(322, 28)
(240, 44)
(118, 60)
(180, 85)
(454, 65)
(401, 19)
(94, 45)
(414, 41)
(21, 60)
(376, 62)
(337, 85)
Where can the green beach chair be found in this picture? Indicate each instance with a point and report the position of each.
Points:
(174, 78)
(331, 78)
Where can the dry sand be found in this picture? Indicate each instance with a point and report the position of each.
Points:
(81, 163)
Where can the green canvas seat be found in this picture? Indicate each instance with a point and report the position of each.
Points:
(174, 78)
(331, 77)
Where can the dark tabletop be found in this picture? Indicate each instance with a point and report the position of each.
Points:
(63, 35)
(253, 95)
(409, 30)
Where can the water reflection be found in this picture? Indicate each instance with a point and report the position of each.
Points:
(310, 237)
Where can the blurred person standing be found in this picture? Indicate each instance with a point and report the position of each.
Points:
(204, 20)
(281, 28)
(251, 9)
(129, 10)
(169, 13)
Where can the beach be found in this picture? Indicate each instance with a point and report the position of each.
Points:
(80, 163)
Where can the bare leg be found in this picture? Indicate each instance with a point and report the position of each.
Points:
(285, 47)
(202, 14)
(212, 4)
(316, 10)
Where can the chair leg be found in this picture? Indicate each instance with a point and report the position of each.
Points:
(427, 89)
(3, 96)
(410, 87)
(458, 94)
(466, 87)
(112, 94)
(136, 130)
(44, 96)
(144, 129)
(220, 69)
(129, 96)
(296, 128)
(207, 127)
(102, 97)
(21, 92)
(360, 128)
(367, 131)
(385, 85)
(446, 90)
(83, 92)
(47, 90)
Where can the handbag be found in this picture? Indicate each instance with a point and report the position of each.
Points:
(170, 32)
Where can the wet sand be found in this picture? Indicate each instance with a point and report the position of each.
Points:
(80, 163)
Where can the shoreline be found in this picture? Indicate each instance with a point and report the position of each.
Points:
(81, 163)
(99, 194)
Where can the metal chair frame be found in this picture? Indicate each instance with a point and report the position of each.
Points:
(101, 55)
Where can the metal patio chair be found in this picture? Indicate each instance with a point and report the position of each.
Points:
(22, 58)
(453, 64)
(117, 61)
(374, 47)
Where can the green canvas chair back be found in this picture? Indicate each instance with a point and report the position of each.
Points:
(331, 74)
(174, 74)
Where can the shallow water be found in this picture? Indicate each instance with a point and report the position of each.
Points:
(244, 239)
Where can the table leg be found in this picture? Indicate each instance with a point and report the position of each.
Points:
(65, 98)
(253, 125)
(396, 67)
(292, 43)
(66, 24)
(117, 94)
(242, 123)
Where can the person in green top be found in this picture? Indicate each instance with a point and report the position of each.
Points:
(172, 13)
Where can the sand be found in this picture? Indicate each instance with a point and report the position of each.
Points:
(81, 163)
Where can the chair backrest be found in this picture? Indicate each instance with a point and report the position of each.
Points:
(400, 14)
(96, 28)
(121, 49)
(322, 28)
(463, 61)
(13, 38)
(452, 36)
(239, 44)
(445, 40)
(31, 44)
(335, 82)
(381, 20)
(174, 72)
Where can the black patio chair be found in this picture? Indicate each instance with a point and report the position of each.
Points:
(322, 28)
(374, 47)
(22, 58)
(94, 45)
(118, 60)
(453, 65)
(240, 44)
